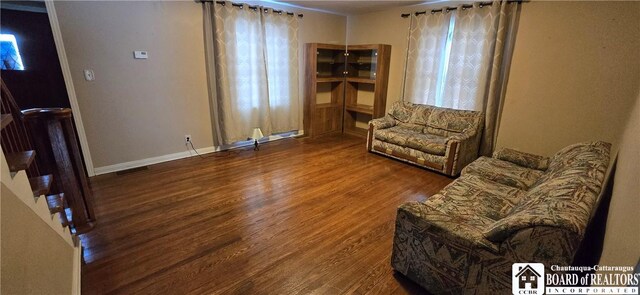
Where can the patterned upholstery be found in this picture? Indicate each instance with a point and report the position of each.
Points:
(441, 139)
(409, 137)
(522, 159)
(503, 172)
(464, 239)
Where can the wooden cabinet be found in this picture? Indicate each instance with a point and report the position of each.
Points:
(346, 86)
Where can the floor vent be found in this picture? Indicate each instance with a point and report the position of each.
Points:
(132, 170)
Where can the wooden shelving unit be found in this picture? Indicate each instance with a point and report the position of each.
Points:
(346, 87)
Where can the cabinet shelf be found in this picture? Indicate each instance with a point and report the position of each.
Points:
(331, 104)
(361, 80)
(360, 108)
(327, 105)
(362, 62)
(329, 79)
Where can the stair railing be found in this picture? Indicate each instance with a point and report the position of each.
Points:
(50, 133)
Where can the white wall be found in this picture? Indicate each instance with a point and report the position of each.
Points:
(140, 109)
(574, 75)
(137, 109)
(35, 260)
(622, 237)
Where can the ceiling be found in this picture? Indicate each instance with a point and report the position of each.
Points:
(350, 7)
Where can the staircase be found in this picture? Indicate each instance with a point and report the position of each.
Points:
(34, 193)
(37, 220)
(43, 143)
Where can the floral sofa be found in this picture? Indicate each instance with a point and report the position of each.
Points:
(441, 139)
(513, 207)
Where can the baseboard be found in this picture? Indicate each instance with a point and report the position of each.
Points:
(185, 154)
(76, 288)
(151, 161)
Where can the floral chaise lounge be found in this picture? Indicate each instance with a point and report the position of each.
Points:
(513, 207)
(441, 139)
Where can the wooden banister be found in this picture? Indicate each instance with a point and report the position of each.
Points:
(14, 138)
(56, 166)
(56, 142)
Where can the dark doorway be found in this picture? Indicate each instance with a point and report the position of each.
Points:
(39, 83)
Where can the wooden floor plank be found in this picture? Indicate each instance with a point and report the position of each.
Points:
(299, 216)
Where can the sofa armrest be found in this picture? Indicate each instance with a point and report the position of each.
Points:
(542, 244)
(422, 240)
(522, 159)
(462, 149)
(419, 219)
(376, 124)
(383, 123)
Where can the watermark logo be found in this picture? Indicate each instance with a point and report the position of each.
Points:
(527, 278)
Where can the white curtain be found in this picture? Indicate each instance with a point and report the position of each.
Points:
(427, 46)
(281, 39)
(252, 64)
(472, 60)
(474, 36)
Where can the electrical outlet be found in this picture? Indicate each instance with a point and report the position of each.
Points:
(187, 138)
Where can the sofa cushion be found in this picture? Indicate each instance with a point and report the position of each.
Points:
(428, 143)
(445, 122)
(521, 158)
(396, 135)
(564, 204)
(402, 111)
(475, 195)
(503, 172)
(407, 136)
(412, 127)
(565, 200)
(581, 154)
(420, 114)
(419, 156)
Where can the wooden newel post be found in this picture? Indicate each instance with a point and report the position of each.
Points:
(56, 143)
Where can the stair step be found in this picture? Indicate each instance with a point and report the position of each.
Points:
(66, 217)
(56, 203)
(5, 119)
(20, 161)
(41, 185)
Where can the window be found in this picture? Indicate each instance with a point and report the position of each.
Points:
(445, 64)
(532, 278)
(9, 53)
(523, 278)
(253, 52)
(450, 56)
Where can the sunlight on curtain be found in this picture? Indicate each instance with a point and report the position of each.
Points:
(427, 43)
(460, 59)
(281, 44)
(474, 36)
(240, 72)
(449, 56)
(255, 64)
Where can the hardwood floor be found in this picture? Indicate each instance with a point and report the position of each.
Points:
(299, 216)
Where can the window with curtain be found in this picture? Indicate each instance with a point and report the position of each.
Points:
(459, 58)
(252, 57)
(451, 50)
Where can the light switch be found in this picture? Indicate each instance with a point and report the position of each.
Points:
(140, 55)
(89, 75)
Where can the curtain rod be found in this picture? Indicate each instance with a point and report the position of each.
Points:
(447, 9)
(241, 5)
